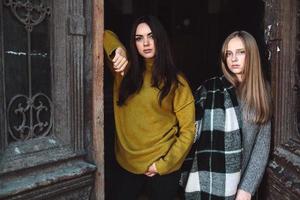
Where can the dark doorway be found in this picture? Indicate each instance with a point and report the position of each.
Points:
(196, 30)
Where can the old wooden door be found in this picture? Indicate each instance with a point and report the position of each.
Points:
(282, 34)
(43, 53)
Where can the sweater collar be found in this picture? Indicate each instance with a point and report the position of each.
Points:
(149, 63)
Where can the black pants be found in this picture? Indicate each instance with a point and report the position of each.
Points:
(129, 186)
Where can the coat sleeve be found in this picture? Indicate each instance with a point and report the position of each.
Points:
(258, 160)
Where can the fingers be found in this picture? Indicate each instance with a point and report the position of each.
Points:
(152, 171)
(121, 51)
(120, 66)
(120, 61)
(119, 55)
(152, 168)
(150, 174)
(243, 195)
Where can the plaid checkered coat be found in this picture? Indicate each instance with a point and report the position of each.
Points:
(212, 170)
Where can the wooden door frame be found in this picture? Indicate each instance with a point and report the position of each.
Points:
(98, 96)
(282, 172)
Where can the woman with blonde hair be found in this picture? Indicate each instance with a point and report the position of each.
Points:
(233, 114)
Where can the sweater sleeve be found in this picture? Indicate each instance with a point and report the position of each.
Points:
(258, 160)
(110, 43)
(184, 109)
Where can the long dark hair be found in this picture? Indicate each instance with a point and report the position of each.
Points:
(164, 72)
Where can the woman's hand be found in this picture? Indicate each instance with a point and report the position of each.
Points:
(152, 171)
(242, 195)
(120, 61)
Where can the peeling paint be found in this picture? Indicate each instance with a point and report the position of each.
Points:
(267, 4)
(269, 27)
(289, 156)
(16, 53)
(278, 49)
(273, 165)
(24, 54)
(268, 33)
(281, 170)
(51, 141)
(269, 54)
(17, 150)
(276, 167)
(289, 184)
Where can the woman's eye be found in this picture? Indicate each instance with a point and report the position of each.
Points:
(242, 52)
(138, 39)
(228, 54)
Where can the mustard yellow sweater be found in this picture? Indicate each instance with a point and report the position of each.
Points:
(148, 132)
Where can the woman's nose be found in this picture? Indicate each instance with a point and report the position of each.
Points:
(146, 42)
(234, 57)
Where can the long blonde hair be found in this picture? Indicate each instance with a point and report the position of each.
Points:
(252, 90)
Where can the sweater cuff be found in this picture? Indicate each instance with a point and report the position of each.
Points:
(248, 188)
(163, 167)
(111, 43)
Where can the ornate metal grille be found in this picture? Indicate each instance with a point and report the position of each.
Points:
(29, 115)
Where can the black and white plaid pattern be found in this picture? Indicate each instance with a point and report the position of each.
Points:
(212, 169)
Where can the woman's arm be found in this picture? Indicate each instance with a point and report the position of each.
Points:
(184, 109)
(243, 195)
(115, 52)
(200, 97)
(258, 160)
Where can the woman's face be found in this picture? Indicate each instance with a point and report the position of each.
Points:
(144, 41)
(235, 57)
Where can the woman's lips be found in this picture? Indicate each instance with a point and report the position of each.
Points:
(147, 50)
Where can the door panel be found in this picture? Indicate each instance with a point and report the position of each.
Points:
(41, 135)
(282, 38)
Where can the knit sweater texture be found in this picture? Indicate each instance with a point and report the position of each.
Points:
(256, 148)
(148, 132)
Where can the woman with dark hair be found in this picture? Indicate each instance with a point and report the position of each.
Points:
(233, 130)
(154, 113)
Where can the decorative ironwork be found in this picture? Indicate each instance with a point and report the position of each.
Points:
(28, 13)
(25, 107)
(29, 116)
